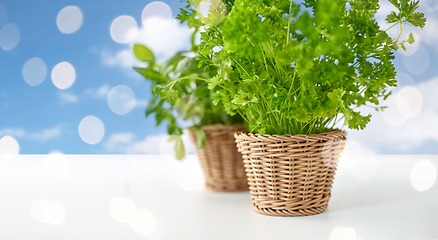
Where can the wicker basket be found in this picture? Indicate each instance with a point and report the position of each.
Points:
(221, 162)
(290, 175)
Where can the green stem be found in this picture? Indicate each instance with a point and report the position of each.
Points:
(311, 126)
(391, 26)
(242, 68)
(171, 84)
(334, 121)
(288, 24)
(402, 27)
(193, 37)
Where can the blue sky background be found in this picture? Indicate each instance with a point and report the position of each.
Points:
(45, 118)
(35, 109)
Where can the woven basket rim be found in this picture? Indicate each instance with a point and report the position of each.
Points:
(223, 126)
(326, 135)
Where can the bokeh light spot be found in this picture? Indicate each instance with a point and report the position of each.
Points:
(431, 23)
(63, 75)
(404, 79)
(69, 19)
(9, 37)
(121, 99)
(211, 12)
(54, 213)
(143, 222)
(91, 130)
(391, 115)
(34, 71)
(189, 176)
(423, 175)
(409, 102)
(123, 209)
(9, 149)
(383, 11)
(189, 111)
(350, 157)
(58, 164)
(410, 48)
(37, 208)
(156, 16)
(343, 233)
(417, 63)
(329, 158)
(124, 29)
(48, 212)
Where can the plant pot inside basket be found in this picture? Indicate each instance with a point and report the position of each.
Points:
(290, 175)
(221, 163)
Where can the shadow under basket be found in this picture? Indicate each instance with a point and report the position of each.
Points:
(290, 175)
(221, 163)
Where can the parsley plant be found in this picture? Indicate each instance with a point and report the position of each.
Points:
(299, 68)
(188, 99)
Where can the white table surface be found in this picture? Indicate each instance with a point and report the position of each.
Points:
(373, 197)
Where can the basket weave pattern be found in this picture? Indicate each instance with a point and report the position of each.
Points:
(290, 175)
(221, 162)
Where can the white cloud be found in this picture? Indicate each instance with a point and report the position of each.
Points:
(151, 144)
(67, 97)
(99, 93)
(124, 59)
(164, 44)
(42, 135)
(118, 142)
(17, 132)
(128, 143)
(46, 134)
(413, 133)
(142, 103)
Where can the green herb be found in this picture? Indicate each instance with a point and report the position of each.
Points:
(200, 138)
(180, 92)
(180, 152)
(290, 68)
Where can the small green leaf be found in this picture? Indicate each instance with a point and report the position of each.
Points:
(238, 101)
(180, 152)
(301, 115)
(153, 105)
(402, 45)
(159, 116)
(418, 20)
(336, 96)
(171, 127)
(411, 39)
(392, 17)
(395, 3)
(200, 138)
(143, 53)
(150, 74)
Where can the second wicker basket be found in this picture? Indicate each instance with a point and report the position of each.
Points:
(221, 162)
